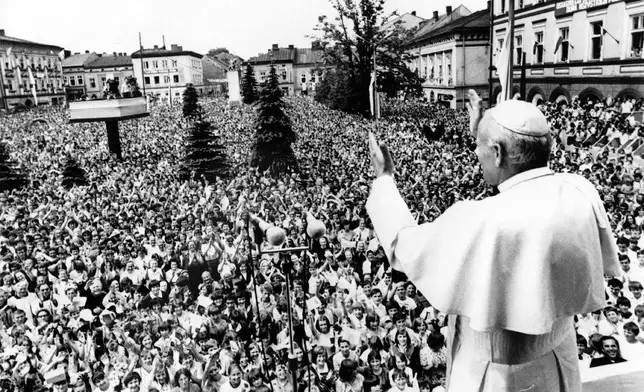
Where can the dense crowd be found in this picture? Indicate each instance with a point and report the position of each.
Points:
(143, 282)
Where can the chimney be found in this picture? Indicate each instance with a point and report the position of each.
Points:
(435, 15)
(413, 13)
(448, 10)
(1, 32)
(291, 47)
(156, 46)
(76, 53)
(179, 48)
(276, 46)
(489, 4)
(173, 47)
(114, 54)
(87, 52)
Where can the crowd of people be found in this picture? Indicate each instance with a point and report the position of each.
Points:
(141, 281)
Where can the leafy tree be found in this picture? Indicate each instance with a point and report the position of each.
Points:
(216, 51)
(249, 85)
(191, 108)
(73, 174)
(350, 42)
(205, 155)
(11, 175)
(274, 135)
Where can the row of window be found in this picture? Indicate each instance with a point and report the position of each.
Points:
(164, 64)
(562, 46)
(23, 61)
(518, 4)
(40, 85)
(432, 69)
(157, 79)
(283, 76)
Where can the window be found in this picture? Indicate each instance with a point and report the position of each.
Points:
(449, 71)
(312, 77)
(155, 63)
(166, 79)
(156, 80)
(518, 45)
(596, 29)
(564, 34)
(637, 36)
(102, 80)
(262, 75)
(147, 80)
(10, 85)
(520, 4)
(147, 65)
(538, 47)
(92, 82)
(174, 63)
(175, 78)
(80, 80)
(303, 78)
(164, 63)
(283, 74)
(72, 81)
(503, 6)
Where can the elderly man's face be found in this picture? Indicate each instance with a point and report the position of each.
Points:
(487, 155)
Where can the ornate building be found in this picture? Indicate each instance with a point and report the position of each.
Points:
(451, 53)
(589, 49)
(167, 72)
(27, 69)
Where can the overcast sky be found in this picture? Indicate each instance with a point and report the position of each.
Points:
(246, 27)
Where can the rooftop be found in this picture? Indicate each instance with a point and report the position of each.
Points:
(5, 39)
(289, 54)
(79, 59)
(459, 19)
(175, 50)
(110, 61)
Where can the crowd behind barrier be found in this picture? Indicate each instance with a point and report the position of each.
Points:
(143, 282)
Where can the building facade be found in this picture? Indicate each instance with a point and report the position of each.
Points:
(215, 75)
(298, 70)
(589, 49)
(451, 53)
(17, 57)
(74, 75)
(117, 66)
(167, 72)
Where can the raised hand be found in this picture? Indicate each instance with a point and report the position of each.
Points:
(380, 157)
(475, 109)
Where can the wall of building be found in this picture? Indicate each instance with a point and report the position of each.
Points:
(187, 70)
(619, 70)
(39, 56)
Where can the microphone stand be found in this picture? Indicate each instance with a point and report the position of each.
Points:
(254, 275)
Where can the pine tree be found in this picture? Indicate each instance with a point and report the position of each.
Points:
(271, 147)
(73, 174)
(205, 155)
(11, 175)
(249, 85)
(191, 108)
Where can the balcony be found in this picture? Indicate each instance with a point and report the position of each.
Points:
(108, 110)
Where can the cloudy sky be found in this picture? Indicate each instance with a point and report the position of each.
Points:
(246, 27)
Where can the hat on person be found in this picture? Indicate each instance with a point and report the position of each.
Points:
(520, 117)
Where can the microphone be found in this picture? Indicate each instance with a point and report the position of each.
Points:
(314, 227)
(274, 235)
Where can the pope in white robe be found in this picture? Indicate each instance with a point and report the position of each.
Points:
(511, 270)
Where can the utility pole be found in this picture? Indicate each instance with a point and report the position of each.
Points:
(141, 57)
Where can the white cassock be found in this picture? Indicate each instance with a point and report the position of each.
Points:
(511, 271)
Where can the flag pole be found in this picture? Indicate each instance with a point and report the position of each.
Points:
(508, 91)
(141, 57)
